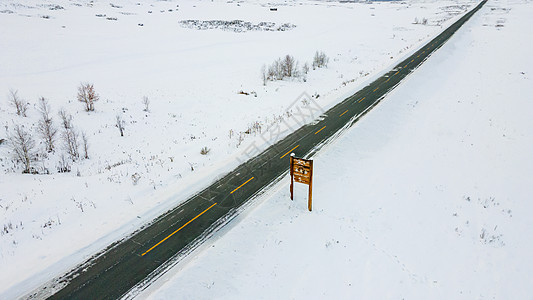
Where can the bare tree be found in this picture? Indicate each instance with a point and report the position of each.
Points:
(320, 60)
(120, 124)
(271, 72)
(87, 95)
(264, 75)
(66, 119)
(305, 68)
(18, 103)
(23, 146)
(64, 164)
(85, 145)
(71, 143)
(275, 70)
(289, 66)
(69, 135)
(278, 66)
(45, 126)
(146, 103)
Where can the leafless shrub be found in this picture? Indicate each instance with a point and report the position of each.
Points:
(204, 151)
(424, 21)
(23, 146)
(20, 105)
(135, 178)
(120, 124)
(320, 60)
(281, 68)
(45, 125)
(87, 95)
(85, 145)
(146, 103)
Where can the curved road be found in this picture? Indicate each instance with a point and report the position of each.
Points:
(137, 259)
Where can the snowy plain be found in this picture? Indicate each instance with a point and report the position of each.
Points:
(426, 197)
(192, 78)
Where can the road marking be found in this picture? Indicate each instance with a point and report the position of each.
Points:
(240, 186)
(418, 55)
(320, 129)
(343, 113)
(289, 152)
(412, 60)
(178, 229)
(405, 65)
(423, 52)
(387, 80)
(361, 99)
(396, 73)
(376, 89)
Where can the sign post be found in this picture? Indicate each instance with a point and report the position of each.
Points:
(302, 171)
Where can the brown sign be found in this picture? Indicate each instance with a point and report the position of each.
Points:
(302, 172)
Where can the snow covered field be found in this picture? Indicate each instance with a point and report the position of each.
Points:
(427, 197)
(192, 78)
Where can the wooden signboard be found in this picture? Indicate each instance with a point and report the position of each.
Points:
(302, 172)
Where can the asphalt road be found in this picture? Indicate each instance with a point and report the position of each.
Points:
(140, 257)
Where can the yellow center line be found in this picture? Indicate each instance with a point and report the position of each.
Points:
(412, 60)
(405, 65)
(240, 186)
(376, 89)
(178, 229)
(361, 100)
(320, 129)
(387, 79)
(418, 55)
(423, 52)
(289, 152)
(396, 73)
(343, 113)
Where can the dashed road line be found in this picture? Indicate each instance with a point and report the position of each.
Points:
(343, 113)
(240, 186)
(288, 152)
(320, 129)
(179, 229)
